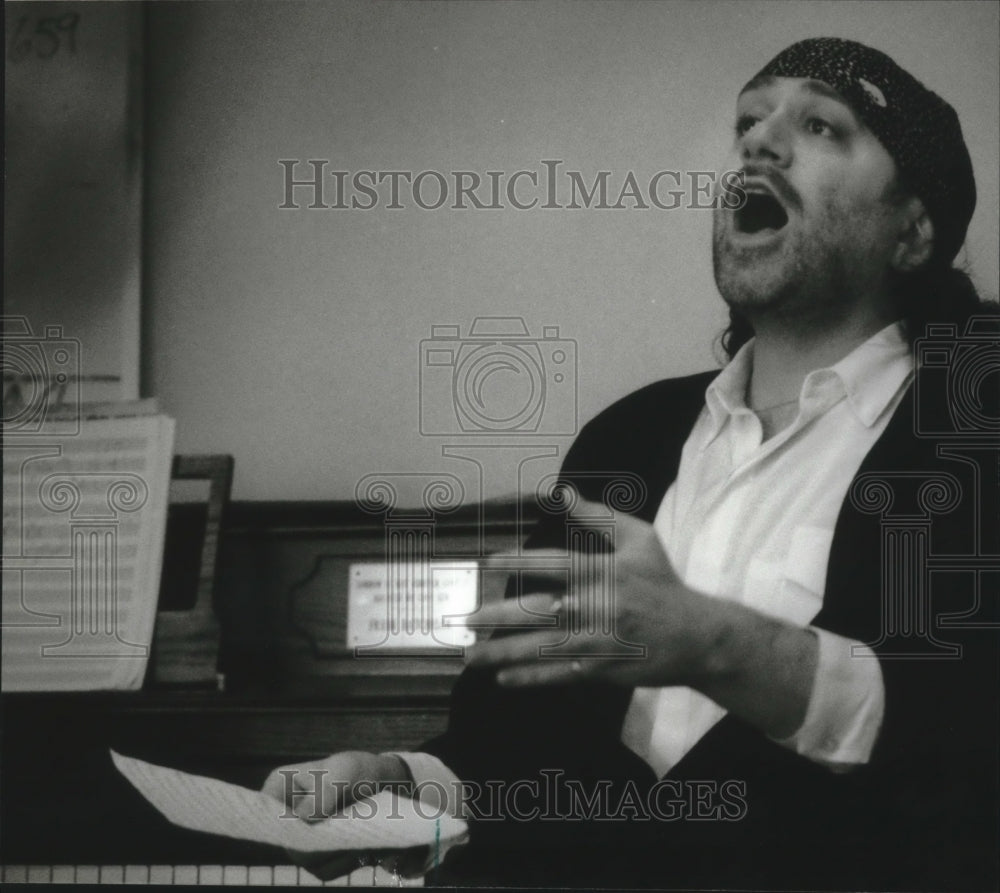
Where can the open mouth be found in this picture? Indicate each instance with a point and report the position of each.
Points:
(761, 212)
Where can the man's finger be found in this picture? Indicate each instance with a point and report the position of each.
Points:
(307, 802)
(290, 784)
(541, 563)
(544, 672)
(314, 795)
(587, 510)
(512, 649)
(274, 786)
(583, 510)
(537, 610)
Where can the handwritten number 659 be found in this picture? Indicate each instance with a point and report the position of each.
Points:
(49, 35)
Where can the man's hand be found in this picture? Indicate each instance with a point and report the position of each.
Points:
(314, 791)
(629, 597)
(631, 620)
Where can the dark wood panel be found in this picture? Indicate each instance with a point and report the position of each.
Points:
(283, 586)
(237, 731)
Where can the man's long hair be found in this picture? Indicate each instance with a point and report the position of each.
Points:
(932, 294)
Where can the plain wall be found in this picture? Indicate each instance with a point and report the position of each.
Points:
(72, 194)
(291, 338)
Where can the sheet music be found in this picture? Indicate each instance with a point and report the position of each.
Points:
(83, 527)
(384, 821)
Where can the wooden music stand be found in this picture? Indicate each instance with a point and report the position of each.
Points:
(186, 642)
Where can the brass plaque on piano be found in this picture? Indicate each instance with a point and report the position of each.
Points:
(411, 605)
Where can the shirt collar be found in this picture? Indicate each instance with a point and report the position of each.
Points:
(727, 392)
(869, 376)
(874, 372)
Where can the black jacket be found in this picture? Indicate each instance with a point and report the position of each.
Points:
(922, 815)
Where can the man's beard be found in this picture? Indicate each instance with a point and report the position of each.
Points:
(798, 282)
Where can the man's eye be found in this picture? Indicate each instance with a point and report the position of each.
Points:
(744, 123)
(819, 127)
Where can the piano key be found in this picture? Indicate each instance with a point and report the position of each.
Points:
(88, 874)
(234, 875)
(210, 874)
(384, 878)
(308, 879)
(161, 874)
(260, 876)
(136, 874)
(112, 874)
(186, 875)
(286, 875)
(39, 874)
(195, 875)
(360, 877)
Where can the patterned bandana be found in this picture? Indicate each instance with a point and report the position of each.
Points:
(917, 127)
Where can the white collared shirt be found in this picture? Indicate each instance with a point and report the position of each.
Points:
(752, 520)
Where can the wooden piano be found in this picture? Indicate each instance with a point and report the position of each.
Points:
(293, 691)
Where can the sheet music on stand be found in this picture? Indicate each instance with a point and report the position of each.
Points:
(85, 505)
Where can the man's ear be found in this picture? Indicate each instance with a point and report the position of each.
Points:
(916, 239)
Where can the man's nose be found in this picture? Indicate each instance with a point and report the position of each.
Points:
(768, 139)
